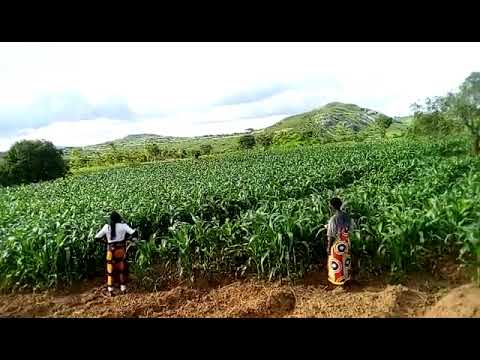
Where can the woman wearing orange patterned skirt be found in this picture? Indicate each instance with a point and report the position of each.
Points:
(339, 261)
(117, 270)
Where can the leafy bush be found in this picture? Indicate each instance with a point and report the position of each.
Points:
(247, 141)
(206, 149)
(32, 161)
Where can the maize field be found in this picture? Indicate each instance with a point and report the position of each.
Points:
(260, 213)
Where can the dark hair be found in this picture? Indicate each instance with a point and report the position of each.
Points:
(115, 218)
(336, 203)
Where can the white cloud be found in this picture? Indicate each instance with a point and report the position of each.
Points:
(184, 83)
(95, 131)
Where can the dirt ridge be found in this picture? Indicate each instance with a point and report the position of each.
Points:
(313, 297)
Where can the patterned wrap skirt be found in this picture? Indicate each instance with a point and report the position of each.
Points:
(340, 260)
(117, 266)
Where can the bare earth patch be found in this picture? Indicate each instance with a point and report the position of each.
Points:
(463, 301)
(312, 297)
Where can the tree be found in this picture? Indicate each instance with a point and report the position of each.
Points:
(206, 149)
(131, 156)
(77, 159)
(5, 178)
(33, 161)
(250, 130)
(182, 153)
(465, 106)
(97, 158)
(247, 141)
(447, 114)
(383, 122)
(434, 118)
(152, 150)
(265, 139)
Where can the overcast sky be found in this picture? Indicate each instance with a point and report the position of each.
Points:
(77, 94)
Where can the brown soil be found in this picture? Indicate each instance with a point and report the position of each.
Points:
(312, 297)
(463, 301)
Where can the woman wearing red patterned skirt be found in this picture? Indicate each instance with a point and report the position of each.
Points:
(117, 270)
(339, 262)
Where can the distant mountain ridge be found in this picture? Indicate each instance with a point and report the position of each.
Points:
(146, 137)
(350, 115)
(139, 140)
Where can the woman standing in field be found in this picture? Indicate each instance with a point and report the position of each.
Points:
(338, 244)
(116, 232)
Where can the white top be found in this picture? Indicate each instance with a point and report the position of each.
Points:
(121, 229)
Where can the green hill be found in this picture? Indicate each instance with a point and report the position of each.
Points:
(329, 116)
(134, 140)
(220, 142)
(350, 115)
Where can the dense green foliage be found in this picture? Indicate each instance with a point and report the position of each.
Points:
(133, 151)
(383, 122)
(432, 119)
(265, 140)
(335, 122)
(332, 123)
(260, 213)
(206, 149)
(464, 106)
(286, 138)
(453, 113)
(32, 161)
(247, 141)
